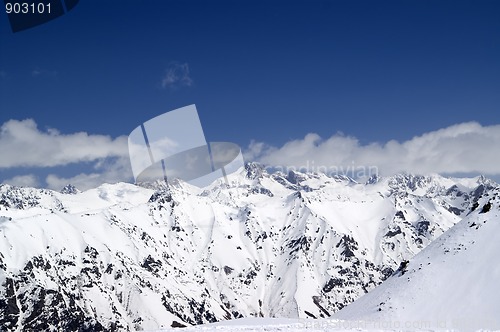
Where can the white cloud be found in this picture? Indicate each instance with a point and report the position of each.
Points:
(22, 144)
(29, 180)
(462, 148)
(176, 75)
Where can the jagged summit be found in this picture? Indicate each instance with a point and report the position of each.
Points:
(154, 185)
(254, 170)
(70, 189)
(254, 173)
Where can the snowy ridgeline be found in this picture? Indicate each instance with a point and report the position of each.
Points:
(302, 246)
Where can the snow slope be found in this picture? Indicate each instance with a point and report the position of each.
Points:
(273, 324)
(297, 245)
(301, 325)
(453, 283)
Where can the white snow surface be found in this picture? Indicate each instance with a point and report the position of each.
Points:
(311, 325)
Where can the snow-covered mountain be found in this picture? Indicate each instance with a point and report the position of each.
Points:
(273, 245)
(451, 284)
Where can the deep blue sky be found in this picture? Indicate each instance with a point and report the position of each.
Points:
(270, 71)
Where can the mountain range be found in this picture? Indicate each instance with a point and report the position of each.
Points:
(284, 245)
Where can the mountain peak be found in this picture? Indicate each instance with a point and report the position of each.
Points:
(70, 189)
(254, 170)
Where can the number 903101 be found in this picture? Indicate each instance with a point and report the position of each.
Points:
(27, 8)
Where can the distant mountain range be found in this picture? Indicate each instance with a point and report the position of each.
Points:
(300, 245)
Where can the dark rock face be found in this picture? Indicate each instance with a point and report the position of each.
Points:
(70, 190)
(42, 308)
(348, 245)
(486, 207)
(8, 306)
